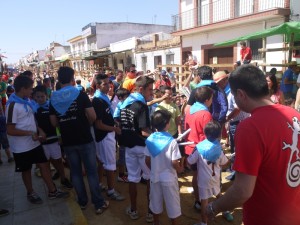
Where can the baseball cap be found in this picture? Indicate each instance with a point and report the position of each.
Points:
(163, 73)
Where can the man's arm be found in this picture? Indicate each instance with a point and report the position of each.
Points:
(90, 114)
(54, 121)
(101, 126)
(240, 191)
(146, 132)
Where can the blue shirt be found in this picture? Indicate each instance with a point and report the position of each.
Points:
(288, 74)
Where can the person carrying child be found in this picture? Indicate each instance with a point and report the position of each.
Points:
(162, 157)
(210, 158)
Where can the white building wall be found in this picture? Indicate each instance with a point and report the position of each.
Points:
(211, 37)
(123, 45)
(107, 33)
(150, 58)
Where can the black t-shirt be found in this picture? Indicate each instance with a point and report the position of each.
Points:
(74, 125)
(133, 118)
(103, 113)
(43, 120)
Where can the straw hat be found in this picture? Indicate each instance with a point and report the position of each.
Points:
(219, 76)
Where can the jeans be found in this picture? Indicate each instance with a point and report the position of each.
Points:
(232, 129)
(85, 154)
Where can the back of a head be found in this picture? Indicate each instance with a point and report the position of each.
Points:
(243, 43)
(65, 75)
(205, 73)
(164, 88)
(27, 73)
(250, 79)
(122, 92)
(212, 130)
(46, 80)
(160, 119)
(144, 82)
(203, 93)
(78, 82)
(22, 81)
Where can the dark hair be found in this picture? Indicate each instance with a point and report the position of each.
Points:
(205, 73)
(65, 74)
(27, 73)
(78, 81)
(57, 86)
(243, 43)
(250, 79)
(274, 87)
(164, 88)
(212, 130)
(226, 71)
(144, 82)
(273, 71)
(122, 92)
(39, 88)
(46, 80)
(100, 77)
(22, 81)
(203, 93)
(160, 119)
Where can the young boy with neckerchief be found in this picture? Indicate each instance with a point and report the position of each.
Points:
(162, 157)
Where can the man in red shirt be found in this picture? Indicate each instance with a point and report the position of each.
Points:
(163, 81)
(267, 182)
(245, 53)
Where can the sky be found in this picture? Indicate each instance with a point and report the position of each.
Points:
(32, 25)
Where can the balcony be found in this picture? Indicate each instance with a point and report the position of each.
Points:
(216, 11)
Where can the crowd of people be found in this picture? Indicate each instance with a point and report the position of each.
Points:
(159, 134)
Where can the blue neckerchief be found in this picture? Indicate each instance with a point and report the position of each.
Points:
(62, 99)
(25, 101)
(79, 87)
(99, 94)
(134, 97)
(205, 83)
(210, 151)
(117, 112)
(197, 106)
(44, 105)
(157, 142)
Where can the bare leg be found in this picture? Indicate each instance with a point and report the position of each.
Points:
(204, 203)
(46, 175)
(110, 175)
(100, 171)
(59, 166)
(195, 185)
(26, 176)
(155, 219)
(133, 195)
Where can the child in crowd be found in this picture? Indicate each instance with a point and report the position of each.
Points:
(3, 137)
(51, 147)
(209, 157)
(24, 138)
(197, 116)
(122, 94)
(162, 157)
(105, 134)
(156, 95)
(172, 108)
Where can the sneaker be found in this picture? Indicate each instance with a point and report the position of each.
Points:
(4, 212)
(10, 159)
(197, 205)
(116, 196)
(149, 217)
(227, 215)
(58, 194)
(55, 176)
(134, 215)
(66, 184)
(103, 208)
(123, 178)
(34, 198)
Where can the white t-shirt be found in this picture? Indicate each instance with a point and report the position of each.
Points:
(162, 169)
(23, 121)
(205, 178)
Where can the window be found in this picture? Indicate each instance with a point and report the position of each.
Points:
(170, 59)
(255, 45)
(296, 53)
(144, 63)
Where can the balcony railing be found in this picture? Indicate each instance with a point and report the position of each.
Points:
(220, 10)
